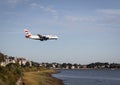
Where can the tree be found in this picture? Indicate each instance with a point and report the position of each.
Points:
(76, 65)
(2, 57)
(92, 65)
(69, 65)
(114, 65)
(27, 64)
(64, 65)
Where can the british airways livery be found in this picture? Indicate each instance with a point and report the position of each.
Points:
(39, 36)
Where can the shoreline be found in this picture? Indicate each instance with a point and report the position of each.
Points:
(43, 77)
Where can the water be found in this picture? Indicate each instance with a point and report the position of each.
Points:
(89, 77)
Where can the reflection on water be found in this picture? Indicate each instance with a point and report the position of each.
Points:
(89, 77)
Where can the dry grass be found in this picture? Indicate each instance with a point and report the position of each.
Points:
(41, 78)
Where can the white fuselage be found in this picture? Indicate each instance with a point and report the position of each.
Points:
(36, 37)
(51, 36)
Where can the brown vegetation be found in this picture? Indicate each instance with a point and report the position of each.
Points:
(41, 78)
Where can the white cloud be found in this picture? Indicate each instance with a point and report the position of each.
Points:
(72, 18)
(13, 2)
(109, 16)
(33, 5)
(110, 11)
(81, 18)
(103, 16)
(110, 20)
(50, 10)
(46, 9)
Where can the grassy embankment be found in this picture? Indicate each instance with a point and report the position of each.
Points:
(41, 78)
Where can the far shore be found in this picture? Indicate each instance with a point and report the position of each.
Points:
(43, 77)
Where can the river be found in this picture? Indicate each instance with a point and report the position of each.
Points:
(89, 77)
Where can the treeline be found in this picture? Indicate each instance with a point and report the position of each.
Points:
(96, 65)
(99, 65)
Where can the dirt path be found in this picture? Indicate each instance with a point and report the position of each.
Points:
(20, 82)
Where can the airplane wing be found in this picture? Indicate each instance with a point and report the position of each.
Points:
(42, 37)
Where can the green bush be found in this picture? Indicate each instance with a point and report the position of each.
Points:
(10, 74)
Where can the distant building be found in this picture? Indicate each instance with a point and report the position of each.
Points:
(2, 64)
(22, 61)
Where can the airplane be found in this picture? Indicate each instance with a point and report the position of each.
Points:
(39, 36)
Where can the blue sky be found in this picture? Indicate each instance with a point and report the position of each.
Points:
(88, 30)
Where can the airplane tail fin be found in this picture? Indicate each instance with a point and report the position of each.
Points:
(28, 34)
